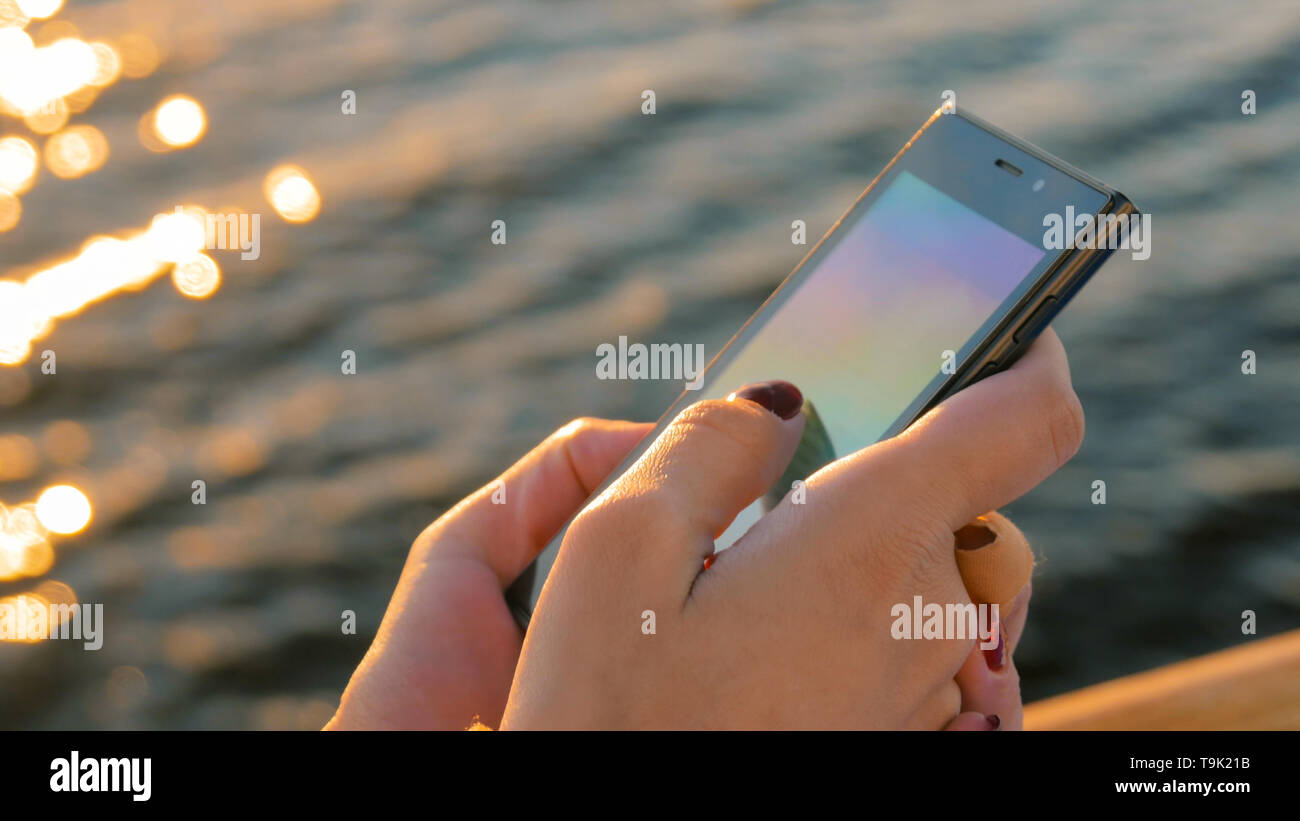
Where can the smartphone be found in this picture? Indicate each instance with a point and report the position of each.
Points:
(940, 274)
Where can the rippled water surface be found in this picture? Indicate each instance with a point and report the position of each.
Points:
(672, 227)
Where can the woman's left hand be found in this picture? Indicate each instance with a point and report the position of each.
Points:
(446, 651)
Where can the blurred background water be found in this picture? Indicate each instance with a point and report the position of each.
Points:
(672, 227)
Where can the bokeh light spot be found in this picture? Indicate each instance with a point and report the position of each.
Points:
(11, 210)
(197, 278)
(18, 164)
(108, 65)
(178, 236)
(292, 194)
(48, 119)
(19, 458)
(66, 442)
(39, 9)
(76, 151)
(139, 55)
(63, 509)
(179, 121)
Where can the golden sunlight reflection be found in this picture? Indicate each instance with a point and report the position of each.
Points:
(35, 77)
(104, 266)
(18, 164)
(54, 30)
(47, 78)
(17, 323)
(39, 611)
(233, 452)
(292, 194)
(37, 560)
(66, 442)
(179, 121)
(76, 151)
(24, 545)
(49, 119)
(11, 210)
(108, 65)
(198, 277)
(55, 592)
(16, 47)
(81, 99)
(15, 384)
(63, 509)
(37, 608)
(12, 15)
(178, 236)
(19, 458)
(39, 9)
(139, 55)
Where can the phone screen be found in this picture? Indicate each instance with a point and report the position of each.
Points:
(867, 330)
(914, 281)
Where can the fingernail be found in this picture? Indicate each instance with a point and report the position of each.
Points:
(778, 396)
(994, 722)
(709, 560)
(974, 536)
(996, 657)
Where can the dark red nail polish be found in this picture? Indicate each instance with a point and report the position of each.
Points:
(708, 560)
(778, 396)
(996, 657)
(994, 722)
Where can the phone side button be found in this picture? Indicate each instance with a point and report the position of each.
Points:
(1035, 322)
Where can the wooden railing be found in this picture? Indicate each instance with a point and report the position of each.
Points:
(1252, 687)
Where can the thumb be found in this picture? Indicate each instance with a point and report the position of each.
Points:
(507, 522)
(711, 462)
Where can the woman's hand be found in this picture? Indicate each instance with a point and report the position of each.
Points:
(446, 650)
(790, 627)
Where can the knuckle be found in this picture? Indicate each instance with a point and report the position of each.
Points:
(577, 429)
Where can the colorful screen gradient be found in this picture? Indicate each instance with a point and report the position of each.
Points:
(918, 274)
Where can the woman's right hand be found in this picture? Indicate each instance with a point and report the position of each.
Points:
(790, 627)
